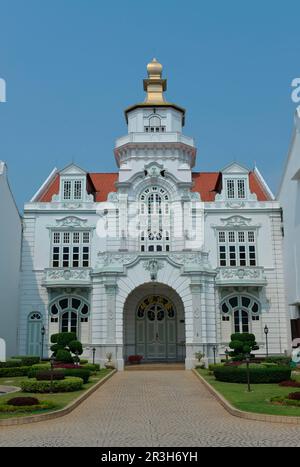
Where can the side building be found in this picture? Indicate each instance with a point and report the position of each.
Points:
(289, 197)
(10, 255)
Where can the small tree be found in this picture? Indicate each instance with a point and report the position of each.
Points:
(64, 345)
(242, 344)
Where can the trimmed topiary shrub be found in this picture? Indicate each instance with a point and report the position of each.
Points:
(83, 361)
(57, 375)
(11, 364)
(63, 355)
(69, 384)
(64, 344)
(39, 367)
(280, 360)
(80, 373)
(19, 401)
(214, 366)
(44, 405)
(93, 367)
(27, 360)
(14, 372)
(257, 375)
(242, 344)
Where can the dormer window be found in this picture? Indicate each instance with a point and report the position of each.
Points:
(72, 190)
(236, 188)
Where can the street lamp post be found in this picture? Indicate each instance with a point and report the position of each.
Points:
(248, 371)
(52, 361)
(266, 331)
(43, 332)
(214, 351)
(94, 351)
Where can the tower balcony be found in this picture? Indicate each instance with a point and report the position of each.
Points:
(241, 276)
(150, 138)
(67, 277)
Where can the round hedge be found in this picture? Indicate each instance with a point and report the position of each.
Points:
(43, 405)
(55, 375)
(263, 375)
(69, 384)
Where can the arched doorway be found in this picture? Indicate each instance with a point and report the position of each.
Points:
(154, 324)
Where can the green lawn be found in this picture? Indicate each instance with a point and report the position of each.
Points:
(60, 399)
(258, 400)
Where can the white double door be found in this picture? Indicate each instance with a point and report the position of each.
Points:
(157, 333)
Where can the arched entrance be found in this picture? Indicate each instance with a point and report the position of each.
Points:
(154, 324)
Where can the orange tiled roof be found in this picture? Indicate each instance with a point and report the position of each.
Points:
(205, 183)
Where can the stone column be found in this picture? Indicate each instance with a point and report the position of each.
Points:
(197, 343)
(111, 341)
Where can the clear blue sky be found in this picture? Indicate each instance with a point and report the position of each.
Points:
(72, 66)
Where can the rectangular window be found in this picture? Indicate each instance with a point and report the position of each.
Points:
(67, 190)
(222, 237)
(56, 237)
(237, 248)
(252, 255)
(70, 249)
(241, 194)
(77, 189)
(231, 237)
(230, 189)
(232, 255)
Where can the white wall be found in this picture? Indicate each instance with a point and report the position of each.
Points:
(10, 250)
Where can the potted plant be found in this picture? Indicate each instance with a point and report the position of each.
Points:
(199, 356)
(135, 359)
(109, 364)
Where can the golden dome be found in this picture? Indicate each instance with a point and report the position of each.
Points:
(154, 69)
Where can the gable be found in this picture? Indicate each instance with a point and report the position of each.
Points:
(72, 169)
(235, 168)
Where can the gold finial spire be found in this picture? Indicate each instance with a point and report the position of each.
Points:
(155, 85)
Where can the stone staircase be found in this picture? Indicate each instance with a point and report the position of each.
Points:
(161, 366)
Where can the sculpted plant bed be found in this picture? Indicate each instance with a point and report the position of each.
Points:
(68, 384)
(59, 400)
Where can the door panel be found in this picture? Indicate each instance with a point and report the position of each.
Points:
(34, 337)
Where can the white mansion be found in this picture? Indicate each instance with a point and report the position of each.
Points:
(154, 259)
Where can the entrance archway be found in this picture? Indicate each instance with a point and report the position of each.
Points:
(154, 324)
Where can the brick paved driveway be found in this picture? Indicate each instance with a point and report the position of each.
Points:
(151, 408)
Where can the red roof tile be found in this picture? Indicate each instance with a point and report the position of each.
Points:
(205, 183)
(51, 190)
(257, 188)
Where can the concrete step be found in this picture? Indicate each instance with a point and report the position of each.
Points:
(155, 367)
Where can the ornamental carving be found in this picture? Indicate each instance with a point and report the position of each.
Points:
(153, 266)
(236, 221)
(107, 259)
(197, 258)
(68, 274)
(71, 221)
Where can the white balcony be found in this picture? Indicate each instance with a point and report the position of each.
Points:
(168, 137)
(241, 276)
(67, 277)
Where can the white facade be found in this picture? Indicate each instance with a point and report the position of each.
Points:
(289, 197)
(155, 259)
(10, 254)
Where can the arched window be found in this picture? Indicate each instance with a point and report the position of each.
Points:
(154, 125)
(69, 312)
(243, 309)
(155, 220)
